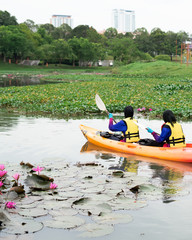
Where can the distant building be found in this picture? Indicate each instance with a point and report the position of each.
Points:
(58, 20)
(123, 20)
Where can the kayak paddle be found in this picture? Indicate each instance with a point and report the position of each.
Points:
(101, 105)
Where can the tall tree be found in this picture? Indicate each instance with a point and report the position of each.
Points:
(123, 50)
(80, 31)
(31, 25)
(14, 43)
(111, 33)
(61, 50)
(62, 32)
(44, 35)
(6, 19)
(142, 39)
(84, 50)
(157, 41)
(45, 52)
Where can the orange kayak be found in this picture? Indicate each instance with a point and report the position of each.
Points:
(166, 153)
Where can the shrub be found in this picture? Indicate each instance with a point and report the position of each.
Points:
(163, 57)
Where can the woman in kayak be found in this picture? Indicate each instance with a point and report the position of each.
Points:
(127, 126)
(171, 132)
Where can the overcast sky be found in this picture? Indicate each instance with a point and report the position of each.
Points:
(168, 15)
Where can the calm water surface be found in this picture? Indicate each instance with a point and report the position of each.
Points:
(9, 81)
(34, 140)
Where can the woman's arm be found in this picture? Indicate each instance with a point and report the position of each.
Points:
(118, 127)
(165, 134)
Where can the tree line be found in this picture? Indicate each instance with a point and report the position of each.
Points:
(63, 44)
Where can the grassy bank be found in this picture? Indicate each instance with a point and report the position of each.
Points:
(156, 85)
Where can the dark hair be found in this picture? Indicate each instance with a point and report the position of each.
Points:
(168, 116)
(128, 111)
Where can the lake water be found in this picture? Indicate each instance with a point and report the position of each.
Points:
(8, 81)
(37, 139)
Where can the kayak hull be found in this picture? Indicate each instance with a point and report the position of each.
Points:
(166, 153)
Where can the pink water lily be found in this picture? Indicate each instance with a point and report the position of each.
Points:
(150, 109)
(10, 204)
(139, 109)
(2, 167)
(1, 184)
(38, 169)
(16, 176)
(53, 185)
(2, 173)
(143, 109)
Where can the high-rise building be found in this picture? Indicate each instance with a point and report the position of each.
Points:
(57, 20)
(123, 20)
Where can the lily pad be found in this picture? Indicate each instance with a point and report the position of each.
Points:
(22, 226)
(119, 174)
(38, 182)
(99, 209)
(95, 230)
(124, 203)
(112, 218)
(29, 200)
(28, 206)
(34, 212)
(63, 212)
(4, 219)
(54, 205)
(65, 222)
(150, 192)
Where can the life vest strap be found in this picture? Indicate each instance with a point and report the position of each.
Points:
(131, 135)
(177, 140)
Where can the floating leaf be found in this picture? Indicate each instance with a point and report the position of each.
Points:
(125, 203)
(29, 200)
(119, 174)
(22, 226)
(34, 212)
(38, 182)
(27, 165)
(65, 222)
(63, 212)
(112, 218)
(18, 189)
(95, 230)
(4, 219)
(150, 192)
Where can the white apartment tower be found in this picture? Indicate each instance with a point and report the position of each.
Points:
(58, 20)
(123, 20)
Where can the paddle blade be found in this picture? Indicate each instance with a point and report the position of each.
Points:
(100, 103)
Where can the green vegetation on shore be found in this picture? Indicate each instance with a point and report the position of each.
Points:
(156, 85)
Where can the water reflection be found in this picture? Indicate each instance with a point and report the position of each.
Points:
(8, 121)
(127, 161)
(21, 81)
(168, 175)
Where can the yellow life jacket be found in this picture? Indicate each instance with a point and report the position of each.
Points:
(177, 138)
(132, 132)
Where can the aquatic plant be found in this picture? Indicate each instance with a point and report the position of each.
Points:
(38, 169)
(10, 205)
(53, 185)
